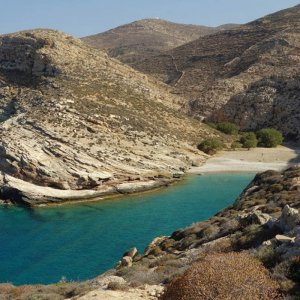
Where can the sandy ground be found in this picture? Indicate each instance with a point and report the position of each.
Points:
(254, 160)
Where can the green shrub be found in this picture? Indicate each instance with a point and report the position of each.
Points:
(269, 137)
(228, 128)
(211, 145)
(236, 145)
(212, 125)
(249, 140)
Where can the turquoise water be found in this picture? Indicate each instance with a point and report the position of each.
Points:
(81, 241)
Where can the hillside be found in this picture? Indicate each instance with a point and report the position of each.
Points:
(248, 74)
(77, 124)
(135, 41)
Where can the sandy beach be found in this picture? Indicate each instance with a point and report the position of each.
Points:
(254, 160)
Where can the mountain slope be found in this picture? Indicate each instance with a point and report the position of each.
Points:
(248, 74)
(140, 39)
(72, 118)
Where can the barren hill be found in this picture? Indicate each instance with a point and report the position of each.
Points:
(249, 74)
(140, 39)
(72, 118)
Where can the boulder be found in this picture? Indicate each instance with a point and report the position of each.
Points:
(104, 281)
(131, 252)
(289, 219)
(284, 239)
(178, 174)
(254, 217)
(154, 244)
(126, 261)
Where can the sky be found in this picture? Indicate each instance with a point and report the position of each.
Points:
(85, 17)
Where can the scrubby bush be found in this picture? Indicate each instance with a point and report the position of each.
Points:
(249, 140)
(224, 276)
(235, 145)
(269, 137)
(228, 128)
(211, 145)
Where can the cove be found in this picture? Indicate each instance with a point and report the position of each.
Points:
(81, 241)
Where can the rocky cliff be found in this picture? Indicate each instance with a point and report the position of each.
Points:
(134, 42)
(71, 118)
(249, 74)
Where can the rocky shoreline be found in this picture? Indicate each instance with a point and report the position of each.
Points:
(19, 192)
(264, 223)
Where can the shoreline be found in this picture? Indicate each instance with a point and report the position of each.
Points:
(18, 192)
(253, 160)
(238, 161)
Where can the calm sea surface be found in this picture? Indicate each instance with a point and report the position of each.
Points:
(81, 241)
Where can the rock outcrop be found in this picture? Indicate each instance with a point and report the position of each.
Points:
(71, 118)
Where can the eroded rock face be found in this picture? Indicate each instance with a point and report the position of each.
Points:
(23, 52)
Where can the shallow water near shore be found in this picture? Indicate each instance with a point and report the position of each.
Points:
(81, 241)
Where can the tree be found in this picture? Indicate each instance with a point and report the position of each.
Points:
(269, 137)
(228, 128)
(211, 145)
(249, 140)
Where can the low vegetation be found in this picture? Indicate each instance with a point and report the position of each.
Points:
(211, 145)
(228, 128)
(249, 140)
(58, 291)
(223, 276)
(266, 137)
(269, 137)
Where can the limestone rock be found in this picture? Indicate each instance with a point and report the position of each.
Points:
(254, 217)
(131, 252)
(154, 244)
(289, 219)
(284, 239)
(126, 261)
(104, 281)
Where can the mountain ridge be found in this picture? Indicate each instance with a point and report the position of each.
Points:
(146, 37)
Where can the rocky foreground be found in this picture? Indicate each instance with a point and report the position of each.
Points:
(76, 124)
(263, 224)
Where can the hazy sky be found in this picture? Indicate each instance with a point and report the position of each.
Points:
(85, 17)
